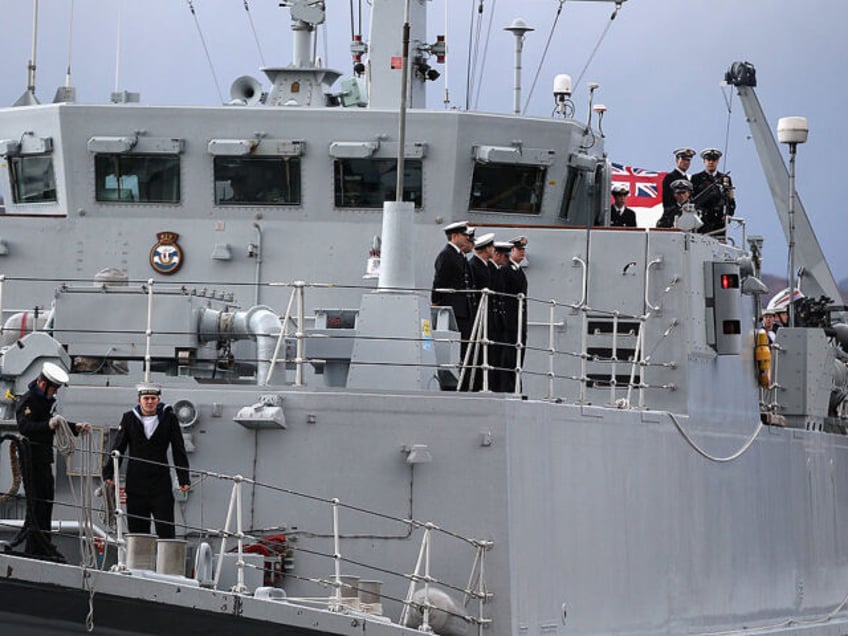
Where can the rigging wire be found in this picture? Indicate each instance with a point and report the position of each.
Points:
(472, 53)
(253, 28)
(118, 46)
(599, 42)
(544, 55)
(206, 50)
(70, 43)
(446, 98)
(485, 54)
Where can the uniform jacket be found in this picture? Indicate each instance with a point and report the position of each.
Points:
(144, 478)
(710, 194)
(514, 282)
(667, 192)
(625, 218)
(33, 414)
(452, 272)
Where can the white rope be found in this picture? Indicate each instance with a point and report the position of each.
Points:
(713, 458)
(63, 438)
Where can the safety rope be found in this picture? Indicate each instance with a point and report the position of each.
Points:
(14, 464)
(705, 454)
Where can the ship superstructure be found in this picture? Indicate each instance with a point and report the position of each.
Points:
(642, 478)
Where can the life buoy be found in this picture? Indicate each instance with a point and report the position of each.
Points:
(762, 354)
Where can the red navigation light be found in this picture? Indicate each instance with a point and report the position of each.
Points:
(729, 281)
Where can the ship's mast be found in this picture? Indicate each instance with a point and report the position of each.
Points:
(386, 53)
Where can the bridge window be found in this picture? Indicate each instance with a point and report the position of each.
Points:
(368, 183)
(509, 188)
(32, 179)
(137, 178)
(257, 180)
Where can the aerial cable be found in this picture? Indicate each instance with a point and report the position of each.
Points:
(485, 53)
(70, 43)
(600, 41)
(253, 28)
(206, 50)
(544, 55)
(473, 47)
(446, 99)
(118, 47)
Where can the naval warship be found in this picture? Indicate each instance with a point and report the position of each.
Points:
(659, 468)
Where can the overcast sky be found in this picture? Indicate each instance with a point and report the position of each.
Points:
(659, 69)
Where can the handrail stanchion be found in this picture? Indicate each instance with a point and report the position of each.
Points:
(613, 357)
(484, 307)
(551, 349)
(119, 512)
(519, 344)
(582, 307)
(240, 587)
(471, 352)
(299, 286)
(413, 578)
(425, 618)
(2, 284)
(283, 334)
(149, 331)
(337, 557)
(224, 534)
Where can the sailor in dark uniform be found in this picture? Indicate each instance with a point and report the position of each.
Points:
(497, 310)
(713, 194)
(620, 214)
(481, 274)
(682, 160)
(452, 272)
(515, 282)
(37, 421)
(682, 189)
(147, 431)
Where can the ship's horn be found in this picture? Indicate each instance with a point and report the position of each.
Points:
(248, 89)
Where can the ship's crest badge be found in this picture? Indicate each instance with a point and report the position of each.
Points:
(166, 257)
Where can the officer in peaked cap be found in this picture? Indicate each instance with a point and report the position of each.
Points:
(148, 430)
(482, 270)
(682, 160)
(515, 283)
(484, 247)
(36, 418)
(713, 194)
(457, 227)
(682, 191)
(620, 214)
(497, 330)
(452, 277)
